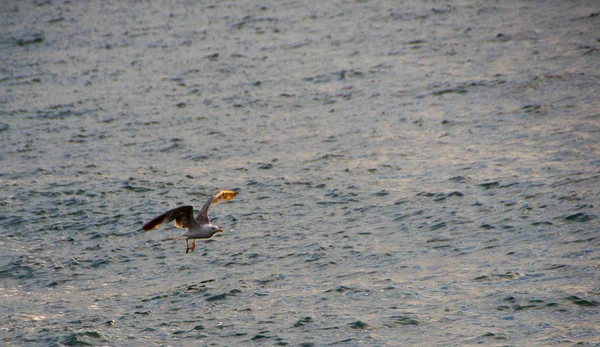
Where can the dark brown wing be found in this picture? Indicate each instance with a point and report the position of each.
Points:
(183, 217)
(202, 217)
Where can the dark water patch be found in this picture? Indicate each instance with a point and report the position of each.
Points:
(444, 247)
(199, 157)
(198, 327)
(348, 74)
(556, 267)
(535, 109)
(61, 185)
(578, 254)
(586, 17)
(85, 338)
(136, 189)
(216, 133)
(100, 263)
(157, 297)
(254, 183)
(261, 336)
(508, 276)
(327, 157)
(28, 39)
(494, 336)
(437, 226)
(523, 307)
(582, 206)
(588, 240)
(541, 223)
(359, 325)
(365, 208)
(401, 201)
(457, 90)
(234, 334)
(346, 342)
(11, 222)
(458, 179)
(381, 193)
(271, 278)
(172, 147)
(307, 184)
(583, 302)
(346, 290)
(57, 283)
(217, 297)
(440, 196)
(83, 138)
(95, 247)
(417, 41)
(579, 217)
(574, 180)
(508, 202)
(116, 221)
(303, 321)
(463, 88)
(333, 202)
(455, 194)
(254, 23)
(439, 239)
(338, 197)
(520, 304)
(319, 79)
(489, 185)
(61, 112)
(401, 320)
(17, 270)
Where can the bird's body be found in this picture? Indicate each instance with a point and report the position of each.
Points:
(197, 228)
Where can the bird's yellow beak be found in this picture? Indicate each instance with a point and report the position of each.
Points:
(220, 230)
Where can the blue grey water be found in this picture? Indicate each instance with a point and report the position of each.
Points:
(409, 173)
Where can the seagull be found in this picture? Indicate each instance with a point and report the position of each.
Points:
(197, 228)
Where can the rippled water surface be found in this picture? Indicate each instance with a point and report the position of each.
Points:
(409, 173)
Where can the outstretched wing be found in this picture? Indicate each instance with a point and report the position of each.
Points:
(202, 217)
(183, 216)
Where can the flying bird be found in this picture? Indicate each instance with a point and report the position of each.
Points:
(197, 228)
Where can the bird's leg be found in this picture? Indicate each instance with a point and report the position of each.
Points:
(188, 246)
(193, 244)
